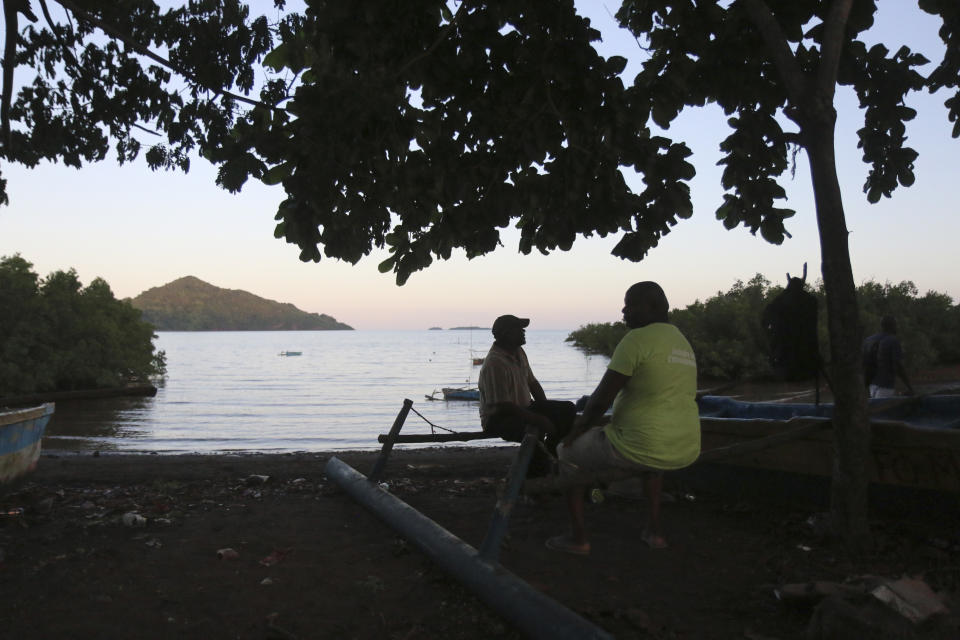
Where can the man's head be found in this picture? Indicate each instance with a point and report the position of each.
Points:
(888, 324)
(509, 331)
(643, 304)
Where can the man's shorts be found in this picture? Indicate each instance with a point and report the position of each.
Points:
(592, 451)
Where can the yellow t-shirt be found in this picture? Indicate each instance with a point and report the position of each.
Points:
(655, 417)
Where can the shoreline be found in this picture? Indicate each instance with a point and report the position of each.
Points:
(307, 561)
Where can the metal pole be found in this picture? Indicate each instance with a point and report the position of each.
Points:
(391, 438)
(533, 613)
(490, 547)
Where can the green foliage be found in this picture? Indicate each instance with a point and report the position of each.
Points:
(728, 338)
(56, 335)
(89, 91)
(928, 325)
(726, 332)
(401, 124)
(190, 304)
(601, 337)
(459, 125)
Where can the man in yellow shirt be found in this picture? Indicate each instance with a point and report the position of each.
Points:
(652, 383)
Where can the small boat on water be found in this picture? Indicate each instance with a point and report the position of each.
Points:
(459, 393)
(915, 441)
(477, 361)
(463, 393)
(291, 353)
(21, 431)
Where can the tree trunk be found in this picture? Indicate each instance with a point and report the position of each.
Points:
(849, 490)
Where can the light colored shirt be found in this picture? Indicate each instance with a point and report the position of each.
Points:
(655, 417)
(504, 377)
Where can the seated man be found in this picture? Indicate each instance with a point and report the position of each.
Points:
(652, 382)
(511, 398)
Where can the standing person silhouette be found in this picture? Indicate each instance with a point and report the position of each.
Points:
(883, 361)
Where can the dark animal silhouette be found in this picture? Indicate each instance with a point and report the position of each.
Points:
(790, 321)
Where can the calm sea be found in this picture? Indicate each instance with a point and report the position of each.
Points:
(233, 391)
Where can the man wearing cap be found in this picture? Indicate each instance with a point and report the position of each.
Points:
(511, 398)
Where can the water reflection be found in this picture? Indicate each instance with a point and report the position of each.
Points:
(97, 424)
(230, 391)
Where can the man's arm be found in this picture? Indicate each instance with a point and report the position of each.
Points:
(903, 376)
(600, 400)
(898, 367)
(536, 390)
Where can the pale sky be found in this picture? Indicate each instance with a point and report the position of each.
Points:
(138, 229)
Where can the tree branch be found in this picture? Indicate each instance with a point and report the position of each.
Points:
(831, 46)
(143, 50)
(436, 43)
(776, 41)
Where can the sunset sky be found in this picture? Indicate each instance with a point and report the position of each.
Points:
(138, 229)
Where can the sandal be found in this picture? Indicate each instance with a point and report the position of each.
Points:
(566, 545)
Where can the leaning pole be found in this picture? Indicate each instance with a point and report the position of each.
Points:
(535, 614)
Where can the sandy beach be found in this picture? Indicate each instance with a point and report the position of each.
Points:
(298, 558)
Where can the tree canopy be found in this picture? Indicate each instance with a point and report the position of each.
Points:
(57, 335)
(88, 75)
(425, 126)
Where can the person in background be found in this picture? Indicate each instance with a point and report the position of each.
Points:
(511, 398)
(883, 361)
(652, 383)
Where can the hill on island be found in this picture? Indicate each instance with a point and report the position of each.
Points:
(190, 304)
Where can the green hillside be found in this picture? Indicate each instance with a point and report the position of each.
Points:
(190, 304)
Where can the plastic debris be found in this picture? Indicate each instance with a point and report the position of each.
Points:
(227, 554)
(134, 519)
(255, 479)
(910, 597)
(266, 582)
(276, 556)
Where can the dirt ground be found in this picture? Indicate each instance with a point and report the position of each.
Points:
(312, 563)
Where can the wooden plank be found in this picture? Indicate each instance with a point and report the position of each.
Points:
(412, 438)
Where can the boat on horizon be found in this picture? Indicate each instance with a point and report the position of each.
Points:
(291, 353)
(21, 433)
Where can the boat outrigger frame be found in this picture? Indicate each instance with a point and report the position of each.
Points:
(532, 612)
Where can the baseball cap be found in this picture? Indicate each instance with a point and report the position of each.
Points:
(508, 322)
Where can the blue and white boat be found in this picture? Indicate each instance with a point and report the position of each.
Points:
(21, 432)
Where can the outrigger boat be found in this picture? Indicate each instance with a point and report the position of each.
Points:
(21, 431)
(457, 393)
(915, 441)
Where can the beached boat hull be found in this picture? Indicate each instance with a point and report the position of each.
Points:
(21, 431)
(914, 443)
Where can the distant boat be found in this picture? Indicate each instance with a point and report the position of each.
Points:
(477, 361)
(461, 393)
(21, 431)
(291, 353)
